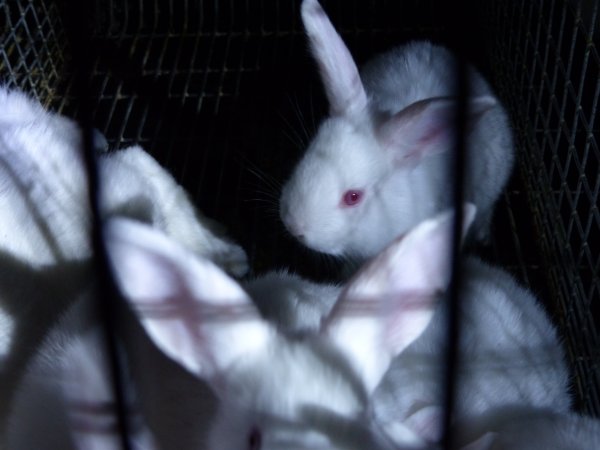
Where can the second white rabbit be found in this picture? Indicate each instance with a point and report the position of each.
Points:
(380, 163)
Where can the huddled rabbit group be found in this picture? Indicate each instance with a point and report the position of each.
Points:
(211, 358)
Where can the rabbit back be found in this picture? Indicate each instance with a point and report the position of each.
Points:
(420, 70)
(509, 354)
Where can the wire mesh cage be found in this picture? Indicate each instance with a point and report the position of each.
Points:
(223, 92)
(547, 65)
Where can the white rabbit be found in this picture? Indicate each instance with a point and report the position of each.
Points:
(45, 222)
(510, 351)
(43, 190)
(275, 390)
(509, 354)
(65, 391)
(381, 162)
(293, 303)
(529, 429)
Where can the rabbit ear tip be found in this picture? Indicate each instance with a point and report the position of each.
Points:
(310, 3)
(311, 8)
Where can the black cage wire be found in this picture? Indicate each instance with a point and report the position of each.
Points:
(221, 90)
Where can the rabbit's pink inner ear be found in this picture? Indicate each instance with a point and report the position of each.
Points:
(426, 127)
(192, 310)
(391, 301)
(206, 340)
(339, 73)
(371, 334)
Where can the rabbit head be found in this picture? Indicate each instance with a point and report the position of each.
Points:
(357, 187)
(278, 391)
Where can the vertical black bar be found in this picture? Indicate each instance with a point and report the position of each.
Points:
(459, 42)
(77, 17)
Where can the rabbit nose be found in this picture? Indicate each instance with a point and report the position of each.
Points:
(297, 231)
(295, 226)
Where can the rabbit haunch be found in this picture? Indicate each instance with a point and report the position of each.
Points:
(387, 144)
(509, 354)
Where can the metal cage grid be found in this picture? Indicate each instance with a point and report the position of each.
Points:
(548, 67)
(211, 88)
(33, 41)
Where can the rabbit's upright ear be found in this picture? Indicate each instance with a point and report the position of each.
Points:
(91, 407)
(390, 302)
(339, 73)
(191, 309)
(426, 127)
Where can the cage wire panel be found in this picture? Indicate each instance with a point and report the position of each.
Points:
(547, 68)
(224, 94)
(32, 52)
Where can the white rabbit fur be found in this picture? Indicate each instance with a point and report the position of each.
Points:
(379, 141)
(165, 281)
(66, 392)
(167, 406)
(44, 212)
(44, 222)
(528, 429)
(308, 391)
(43, 185)
(509, 354)
(293, 303)
(322, 388)
(313, 392)
(137, 186)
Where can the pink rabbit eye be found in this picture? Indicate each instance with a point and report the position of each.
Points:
(254, 439)
(352, 197)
